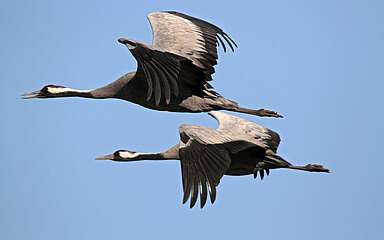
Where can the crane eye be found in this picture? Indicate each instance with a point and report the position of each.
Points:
(116, 154)
(44, 89)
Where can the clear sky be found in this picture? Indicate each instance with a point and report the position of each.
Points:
(320, 63)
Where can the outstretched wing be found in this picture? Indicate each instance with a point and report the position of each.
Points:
(205, 157)
(180, 61)
(189, 37)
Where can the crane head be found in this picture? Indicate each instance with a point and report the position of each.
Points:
(48, 91)
(120, 155)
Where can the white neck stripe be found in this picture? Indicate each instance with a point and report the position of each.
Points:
(55, 90)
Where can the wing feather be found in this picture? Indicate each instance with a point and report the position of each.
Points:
(171, 73)
(167, 73)
(204, 191)
(157, 78)
(222, 43)
(195, 190)
(163, 78)
(205, 155)
(188, 180)
(190, 37)
(203, 182)
(149, 80)
(182, 57)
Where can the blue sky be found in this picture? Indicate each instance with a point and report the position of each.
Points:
(320, 63)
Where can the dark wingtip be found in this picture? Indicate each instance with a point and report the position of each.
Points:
(222, 43)
(185, 198)
(202, 203)
(234, 43)
(212, 194)
(226, 37)
(192, 204)
(262, 174)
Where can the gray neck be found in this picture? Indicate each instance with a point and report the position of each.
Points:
(172, 153)
(151, 156)
(114, 89)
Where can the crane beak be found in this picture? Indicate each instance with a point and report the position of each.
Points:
(106, 157)
(35, 94)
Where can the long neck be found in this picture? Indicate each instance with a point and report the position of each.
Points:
(172, 153)
(114, 89)
(151, 156)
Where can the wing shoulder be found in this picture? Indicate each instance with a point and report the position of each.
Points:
(267, 136)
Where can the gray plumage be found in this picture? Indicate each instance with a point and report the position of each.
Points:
(236, 147)
(173, 73)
